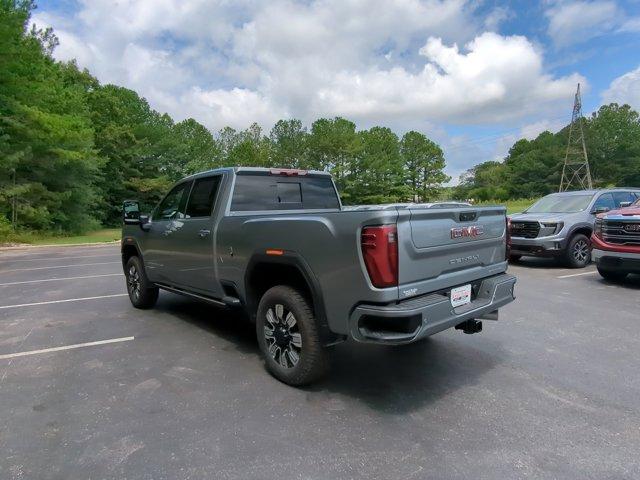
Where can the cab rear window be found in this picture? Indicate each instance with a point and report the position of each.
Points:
(273, 192)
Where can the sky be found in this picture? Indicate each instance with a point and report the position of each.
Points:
(473, 75)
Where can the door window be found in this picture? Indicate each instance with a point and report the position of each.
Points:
(619, 197)
(605, 200)
(173, 205)
(202, 197)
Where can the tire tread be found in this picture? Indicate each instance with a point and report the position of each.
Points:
(313, 359)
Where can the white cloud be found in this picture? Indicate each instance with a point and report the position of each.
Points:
(532, 130)
(408, 64)
(576, 21)
(624, 89)
(496, 79)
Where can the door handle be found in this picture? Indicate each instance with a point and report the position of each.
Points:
(203, 233)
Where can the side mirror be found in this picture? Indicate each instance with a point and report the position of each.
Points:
(625, 204)
(131, 212)
(598, 210)
(145, 222)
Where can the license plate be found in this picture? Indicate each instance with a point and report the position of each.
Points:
(461, 295)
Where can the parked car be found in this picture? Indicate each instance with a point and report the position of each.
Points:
(560, 225)
(616, 242)
(310, 273)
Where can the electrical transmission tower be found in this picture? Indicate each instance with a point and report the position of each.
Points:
(575, 171)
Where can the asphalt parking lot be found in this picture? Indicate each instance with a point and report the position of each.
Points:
(551, 390)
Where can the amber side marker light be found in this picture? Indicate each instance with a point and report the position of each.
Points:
(274, 251)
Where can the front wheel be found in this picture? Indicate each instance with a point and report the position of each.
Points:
(288, 337)
(578, 252)
(142, 293)
(612, 275)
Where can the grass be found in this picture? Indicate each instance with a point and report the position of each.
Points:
(97, 236)
(513, 206)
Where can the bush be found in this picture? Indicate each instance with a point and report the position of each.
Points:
(5, 227)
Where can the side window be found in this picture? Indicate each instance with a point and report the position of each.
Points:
(202, 197)
(172, 206)
(619, 197)
(604, 200)
(253, 192)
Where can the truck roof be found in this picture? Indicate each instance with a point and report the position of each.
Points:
(598, 190)
(274, 170)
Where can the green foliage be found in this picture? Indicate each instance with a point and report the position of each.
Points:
(532, 168)
(47, 161)
(71, 149)
(423, 163)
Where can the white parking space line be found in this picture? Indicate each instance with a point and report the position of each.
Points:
(115, 254)
(58, 266)
(65, 347)
(60, 279)
(578, 274)
(63, 301)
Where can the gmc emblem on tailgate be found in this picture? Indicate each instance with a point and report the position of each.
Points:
(471, 231)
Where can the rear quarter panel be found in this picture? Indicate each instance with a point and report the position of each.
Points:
(329, 242)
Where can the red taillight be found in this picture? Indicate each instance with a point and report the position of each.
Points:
(507, 235)
(380, 252)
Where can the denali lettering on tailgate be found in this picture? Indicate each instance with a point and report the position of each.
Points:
(471, 231)
(470, 258)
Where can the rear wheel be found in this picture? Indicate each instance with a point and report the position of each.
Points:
(612, 275)
(578, 252)
(142, 293)
(288, 337)
(514, 258)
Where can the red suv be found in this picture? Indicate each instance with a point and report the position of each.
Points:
(616, 242)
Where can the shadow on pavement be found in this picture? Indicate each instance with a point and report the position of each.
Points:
(389, 379)
(229, 325)
(402, 379)
(539, 262)
(632, 282)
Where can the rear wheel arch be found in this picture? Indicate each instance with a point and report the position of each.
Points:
(266, 271)
(129, 250)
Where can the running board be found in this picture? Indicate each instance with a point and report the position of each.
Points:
(223, 302)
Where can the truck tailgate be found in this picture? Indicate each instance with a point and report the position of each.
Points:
(443, 247)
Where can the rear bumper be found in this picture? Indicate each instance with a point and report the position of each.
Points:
(416, 318)
(538, 247)
(617, 261)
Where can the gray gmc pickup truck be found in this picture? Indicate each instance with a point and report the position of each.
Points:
(310, 273)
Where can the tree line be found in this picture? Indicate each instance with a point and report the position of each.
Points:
(533, 168)
(72, 149)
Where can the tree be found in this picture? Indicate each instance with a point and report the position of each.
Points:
(613, 136)
(423, 163)
(250, 148)
(47, 162)
(288, 144)
(333, 145)
(376, 174)
(71, 149)
(199, 151)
